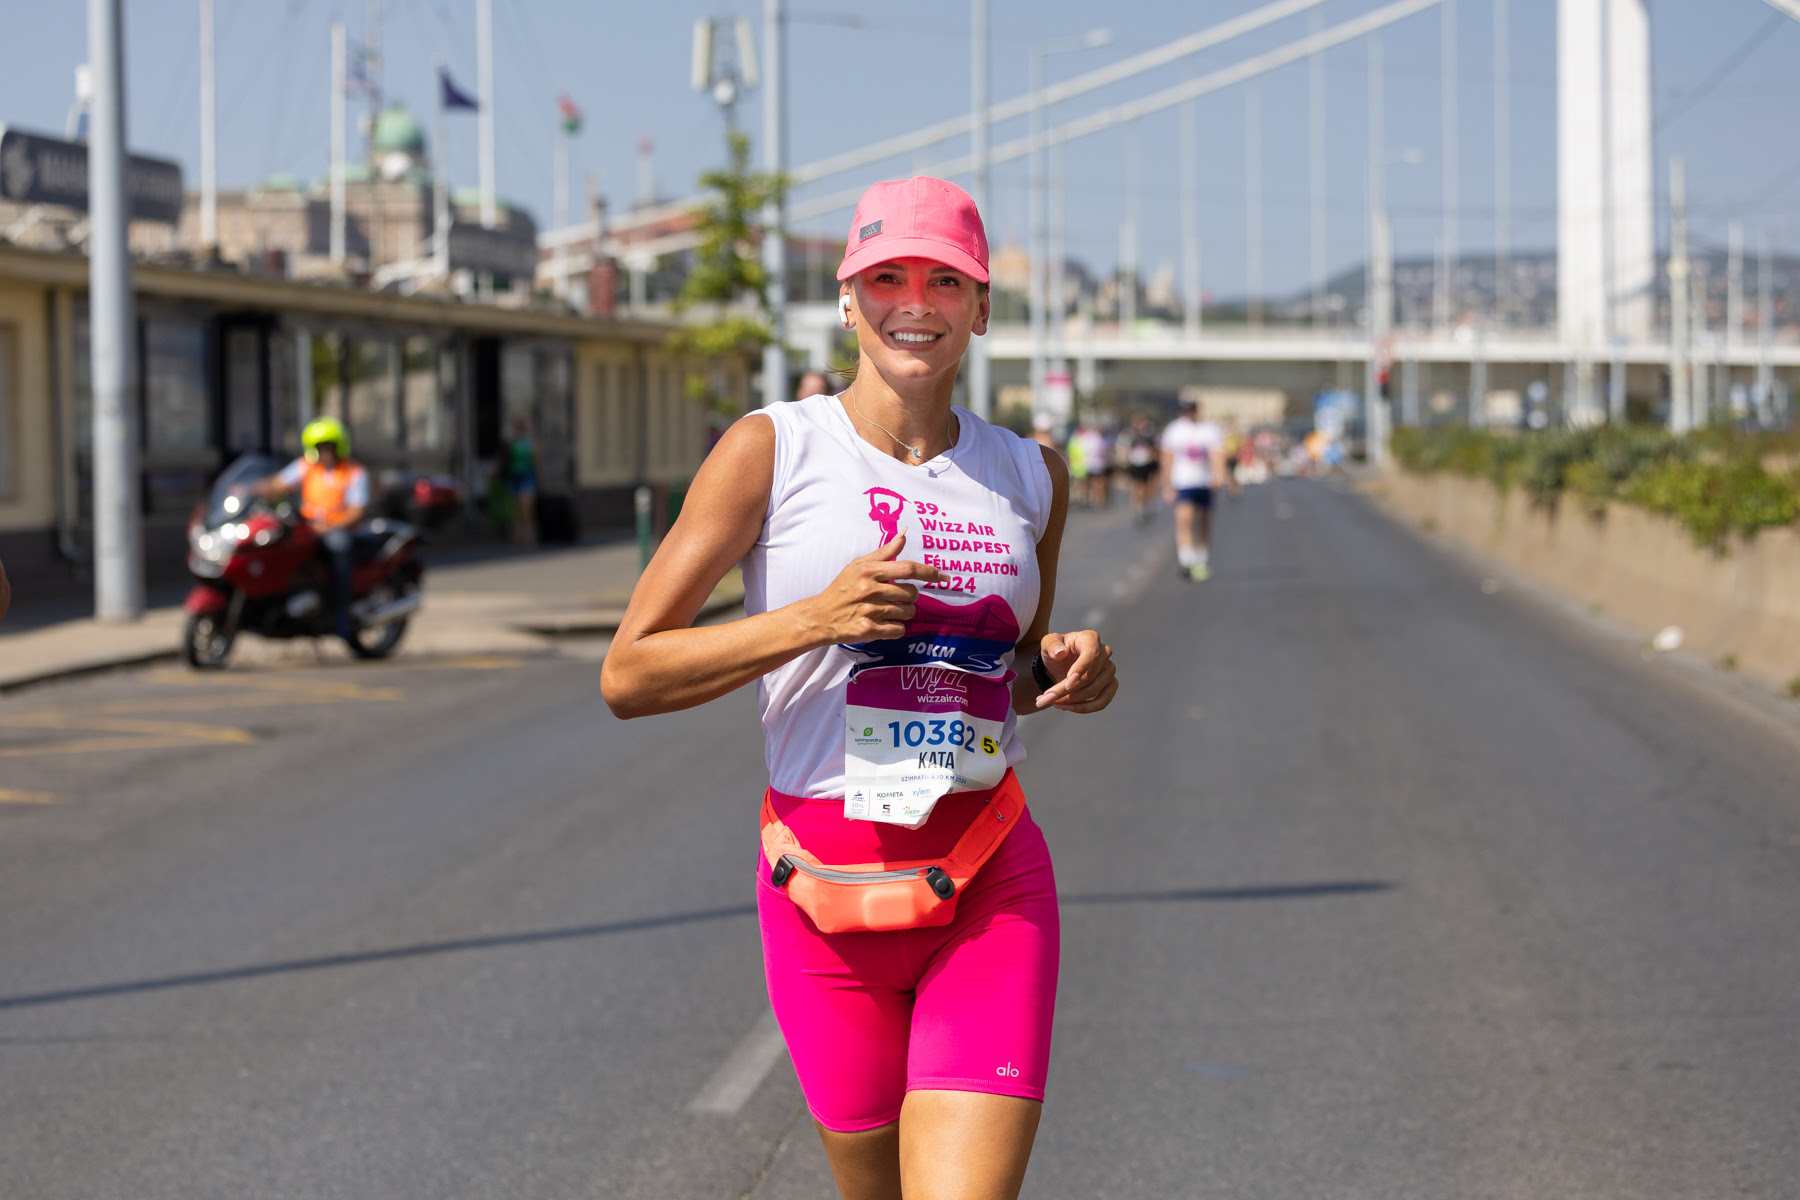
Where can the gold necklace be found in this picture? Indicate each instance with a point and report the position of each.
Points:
(917, 452)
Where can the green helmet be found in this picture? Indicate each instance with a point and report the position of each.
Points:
(322, 430)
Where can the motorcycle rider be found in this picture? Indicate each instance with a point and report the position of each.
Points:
(334, 496)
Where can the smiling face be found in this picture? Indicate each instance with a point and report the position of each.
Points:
(914, 318)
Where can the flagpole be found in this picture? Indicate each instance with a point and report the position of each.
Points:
(561, 201)
(337, 143)
(484, 34)
(440, 208)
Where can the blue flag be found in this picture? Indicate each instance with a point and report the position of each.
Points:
(452, 96)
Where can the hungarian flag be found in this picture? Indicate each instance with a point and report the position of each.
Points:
(571, 116)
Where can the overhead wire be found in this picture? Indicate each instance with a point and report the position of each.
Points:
(1681, 106)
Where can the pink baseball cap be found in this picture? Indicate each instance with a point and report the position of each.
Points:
(919, 217)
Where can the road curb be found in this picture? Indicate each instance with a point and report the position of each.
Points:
(596, 622)
(133, 658)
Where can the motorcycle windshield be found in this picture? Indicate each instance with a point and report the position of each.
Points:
(229, 498)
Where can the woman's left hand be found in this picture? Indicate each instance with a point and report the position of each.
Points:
(1082, 666)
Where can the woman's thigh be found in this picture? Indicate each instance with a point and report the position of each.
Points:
(986, 999)
(844, 1003)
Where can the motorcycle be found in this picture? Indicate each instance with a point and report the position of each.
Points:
(259, 568)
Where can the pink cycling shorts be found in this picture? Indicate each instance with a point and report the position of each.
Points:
(961, 1007)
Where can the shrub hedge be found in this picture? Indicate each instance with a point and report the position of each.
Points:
(1715, 482)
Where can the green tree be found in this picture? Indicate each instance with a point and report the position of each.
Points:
(727, 269)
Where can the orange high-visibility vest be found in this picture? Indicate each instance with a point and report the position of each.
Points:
(322, 492)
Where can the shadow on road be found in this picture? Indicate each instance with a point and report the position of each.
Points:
(1287, 891)
(327, 962)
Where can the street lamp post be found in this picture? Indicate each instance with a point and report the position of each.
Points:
(775, 366)
(1036, 205)
(118, 557)
(981, 400)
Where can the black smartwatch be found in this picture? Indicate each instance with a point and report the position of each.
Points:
(1040, 674)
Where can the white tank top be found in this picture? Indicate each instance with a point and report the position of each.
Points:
(975, 512)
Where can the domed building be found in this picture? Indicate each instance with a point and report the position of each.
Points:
(280, 227)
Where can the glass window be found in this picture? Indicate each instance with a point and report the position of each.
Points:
(8, 417)
(426, 416)
(243, 390)
(374, 409)
(518, 389)
(327, 375)
(599, 432)
(81, 377)
(175, 417)
(284, 394)
(555, 419)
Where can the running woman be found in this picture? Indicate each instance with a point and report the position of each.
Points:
(1193, 456)
(900, 562)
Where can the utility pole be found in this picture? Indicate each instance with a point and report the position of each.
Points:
(775, 368)
(1444, 295)
(209, 134)
(118, 553)
(1253, 204)
(980, 386)
(1379, 278)
(1609, 219)
(1765, 328)
(1128, 235)
(1680, 414)
(371, 81)
(1190, 219)
(440, 183)
(484, 47)
(1734, 283)
(1502, 165)
(338, 137)
(1316, 88)
(1035, 221)
(559, 200)
(1056, 310)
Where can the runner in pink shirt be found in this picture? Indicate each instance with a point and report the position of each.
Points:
(899, 553)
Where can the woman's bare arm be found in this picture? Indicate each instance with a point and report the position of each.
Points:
(1080, 663)
(659, 663)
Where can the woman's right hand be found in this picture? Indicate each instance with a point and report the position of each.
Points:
(867, 601)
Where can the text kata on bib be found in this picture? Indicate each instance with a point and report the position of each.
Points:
(925, 713)
(920, 719)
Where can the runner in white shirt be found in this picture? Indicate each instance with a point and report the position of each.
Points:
(1193, 457)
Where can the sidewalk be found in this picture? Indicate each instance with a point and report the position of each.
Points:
(505, 602)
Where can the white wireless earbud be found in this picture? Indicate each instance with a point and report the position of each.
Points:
(844, 312)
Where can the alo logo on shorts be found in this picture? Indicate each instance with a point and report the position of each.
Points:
(1007, 1070)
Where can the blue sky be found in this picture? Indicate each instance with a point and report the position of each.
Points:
(863, 71)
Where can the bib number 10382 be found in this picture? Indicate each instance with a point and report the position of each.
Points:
(913, 734)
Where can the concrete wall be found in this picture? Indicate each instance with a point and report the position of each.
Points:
(1638, 567)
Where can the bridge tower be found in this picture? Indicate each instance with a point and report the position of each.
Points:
(1605, 231)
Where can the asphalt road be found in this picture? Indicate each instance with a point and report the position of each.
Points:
(1374, 885)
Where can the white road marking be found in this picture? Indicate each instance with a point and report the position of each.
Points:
(742, 1073)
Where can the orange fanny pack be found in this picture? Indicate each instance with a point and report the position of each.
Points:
(875, 897)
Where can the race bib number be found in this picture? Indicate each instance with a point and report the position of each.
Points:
(911, 734)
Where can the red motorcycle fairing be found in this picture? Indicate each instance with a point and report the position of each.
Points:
(206, 598)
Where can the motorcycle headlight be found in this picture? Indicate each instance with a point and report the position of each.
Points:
(215, 545)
